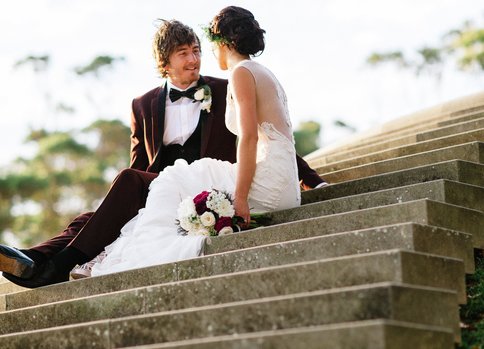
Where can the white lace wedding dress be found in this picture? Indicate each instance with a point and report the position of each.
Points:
(152, 238)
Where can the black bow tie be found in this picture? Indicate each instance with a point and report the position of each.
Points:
(177, 94)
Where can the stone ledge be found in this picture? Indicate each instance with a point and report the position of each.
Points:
(419, 305)
(455, 170)
(368, 334)
(472, 152)
(230, 254)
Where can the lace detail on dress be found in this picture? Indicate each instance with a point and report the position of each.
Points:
(275, 183)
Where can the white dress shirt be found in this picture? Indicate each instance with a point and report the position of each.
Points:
(181, 117)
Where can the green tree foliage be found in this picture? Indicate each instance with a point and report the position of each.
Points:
(464, 45)
(306, 137)
(97, 64)
(38, 63)
(39, 195)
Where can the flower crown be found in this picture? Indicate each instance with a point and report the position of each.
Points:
(213, 37)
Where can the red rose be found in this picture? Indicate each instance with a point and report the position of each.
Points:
(200, 202)
(222, 223)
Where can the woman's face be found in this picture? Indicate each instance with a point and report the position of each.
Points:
(220, 53)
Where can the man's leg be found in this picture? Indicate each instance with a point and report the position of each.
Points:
(126, 196)
(46, 250)
(22, 262)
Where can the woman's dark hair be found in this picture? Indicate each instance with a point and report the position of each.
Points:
(169, 36)
(237, 28)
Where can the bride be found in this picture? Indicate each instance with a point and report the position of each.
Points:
(264, 178)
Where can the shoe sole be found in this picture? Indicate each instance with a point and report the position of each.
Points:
(13, 266)
(77, 276)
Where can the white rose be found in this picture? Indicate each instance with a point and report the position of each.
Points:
(199, 94)
(207, 219)
(206, 104)
(201, 232)
(225, 208)
(225, 231)
(186, 208)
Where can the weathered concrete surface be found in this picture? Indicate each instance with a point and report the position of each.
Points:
(253, 251)
(419, 305)
(388, 266)
(420, 121)
(455, 193)
(275, 249)
(473, 152)
(455, 170)
(391, 153)
(399, 141)
(370, 334)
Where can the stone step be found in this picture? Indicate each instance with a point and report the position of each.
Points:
(396, 266)
(451, 192)
(400, 302)
(421, 211)
(231, 254)
(462, 118)
(473, 152)
(433, 144)
(423, 132)
(393, 142)
(455, 170)
(369, 334)
(7, 287)
(368, 138)
(311, 245)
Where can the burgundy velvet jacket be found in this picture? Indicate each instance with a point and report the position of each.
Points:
(147, 124)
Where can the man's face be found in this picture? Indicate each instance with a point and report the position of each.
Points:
(184, 66)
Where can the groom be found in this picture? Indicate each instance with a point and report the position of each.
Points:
(183, 118)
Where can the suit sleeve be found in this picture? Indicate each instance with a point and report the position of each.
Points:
(308, 177)
(139, 157)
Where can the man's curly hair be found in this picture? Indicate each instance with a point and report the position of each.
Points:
(170, 35)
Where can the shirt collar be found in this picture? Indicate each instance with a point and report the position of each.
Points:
(170, 86)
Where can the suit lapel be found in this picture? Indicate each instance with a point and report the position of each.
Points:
(158, 118)
(207, 122)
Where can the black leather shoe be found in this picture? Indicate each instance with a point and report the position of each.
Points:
(44, 275)
(14, 262)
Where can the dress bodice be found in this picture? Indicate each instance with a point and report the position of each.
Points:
(276, 155)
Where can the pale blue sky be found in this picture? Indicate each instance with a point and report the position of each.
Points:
(317, 48)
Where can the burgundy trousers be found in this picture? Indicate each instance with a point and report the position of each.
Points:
(90, 232)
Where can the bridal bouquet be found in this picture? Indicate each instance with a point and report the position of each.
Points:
(210, 213)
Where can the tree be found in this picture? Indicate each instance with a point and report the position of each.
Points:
(306, 137)
(464, 45)
(40, 195)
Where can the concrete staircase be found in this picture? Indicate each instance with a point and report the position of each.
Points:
(375, 260)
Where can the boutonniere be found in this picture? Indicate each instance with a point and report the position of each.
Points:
(203, 94)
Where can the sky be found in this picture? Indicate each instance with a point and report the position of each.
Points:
(316, 48)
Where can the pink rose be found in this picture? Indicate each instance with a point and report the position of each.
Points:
(222, 223)
(200, 202)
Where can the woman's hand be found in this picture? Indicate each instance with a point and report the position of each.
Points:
(242, 210)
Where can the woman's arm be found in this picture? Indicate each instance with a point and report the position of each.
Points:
(244, 94)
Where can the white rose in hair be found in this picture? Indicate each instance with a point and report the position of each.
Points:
(225, 231)
(207, 219)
